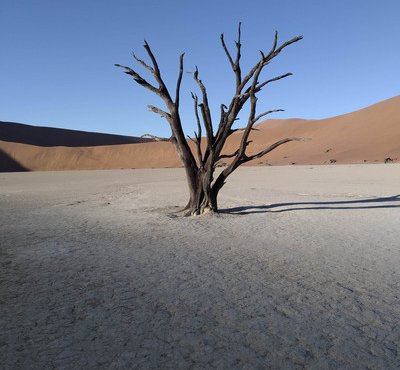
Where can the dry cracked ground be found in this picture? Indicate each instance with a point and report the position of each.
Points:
(301, 270)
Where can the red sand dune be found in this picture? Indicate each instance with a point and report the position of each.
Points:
(369, 135)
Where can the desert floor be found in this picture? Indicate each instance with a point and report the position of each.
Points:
(300, 270)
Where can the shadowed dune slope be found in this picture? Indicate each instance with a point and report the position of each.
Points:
(369, 135)
(49, 136)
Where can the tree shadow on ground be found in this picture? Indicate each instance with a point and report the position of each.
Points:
(370, 203)
(8, 164)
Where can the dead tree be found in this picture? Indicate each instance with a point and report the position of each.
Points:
(201, 163)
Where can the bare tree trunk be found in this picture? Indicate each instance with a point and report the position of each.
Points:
(206, 198)
(202, 197)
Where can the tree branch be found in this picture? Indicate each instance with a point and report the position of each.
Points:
(205, 109)
(157, 75)
(232, 131)
(222, 156)
(238, 71)
(223, 113)
(238, 44)
(198, 135)
(196, 112)
(144, 64)
(260, 86)
(140, 80)
(234, 64)
(227, 52)
(240, 98)
(156, 138)
(286, 44)
(271, 147)
(274, 44)
(152, 57)
(271, 55)
(266, 114)
(178, 83)
(159, 111)
(191, 139)
(251, 119)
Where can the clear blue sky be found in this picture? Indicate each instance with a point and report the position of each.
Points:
(57, 58)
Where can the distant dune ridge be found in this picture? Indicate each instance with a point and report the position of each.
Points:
(369, 135)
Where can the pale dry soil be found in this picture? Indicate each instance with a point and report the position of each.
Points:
(300, 271)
